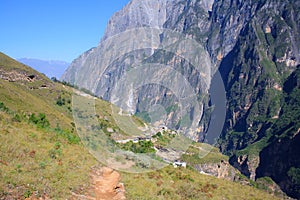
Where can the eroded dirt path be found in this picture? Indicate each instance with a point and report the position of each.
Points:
(105, 186)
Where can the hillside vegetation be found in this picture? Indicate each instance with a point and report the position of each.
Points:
(41, 154)
(40, 150)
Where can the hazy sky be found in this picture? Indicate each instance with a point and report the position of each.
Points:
(53, 29)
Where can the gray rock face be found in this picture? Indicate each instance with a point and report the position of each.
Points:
(136, 14)
(257, 46)
(148, 13)
(233, 32)
(141, 63)
(261, 56)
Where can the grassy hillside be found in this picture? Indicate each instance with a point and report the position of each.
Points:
(40, 151)
(180, 183)
(41, 154)
(200, 153)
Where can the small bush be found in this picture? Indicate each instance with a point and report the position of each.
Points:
(55, 153)
(18, 168)
(3, 107)
(140, 147)
(164, 192)
(17, 118)
(71, 137)
(41, 121)
(42, 165)
(27, 194)
(54, 79)
(294, 174)
(60, 101)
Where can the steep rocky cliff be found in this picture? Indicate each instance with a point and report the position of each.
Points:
(134, 15)
(266, 51)
(254, 44)
(280, 159)
(254, 69)
(257, 43)
(150, 60)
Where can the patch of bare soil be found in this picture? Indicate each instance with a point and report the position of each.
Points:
(105, 186)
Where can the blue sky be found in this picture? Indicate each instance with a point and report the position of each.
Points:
(53, 29)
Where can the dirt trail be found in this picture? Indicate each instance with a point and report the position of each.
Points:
(105, 186)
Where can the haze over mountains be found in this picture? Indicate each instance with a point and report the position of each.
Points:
(53, 68)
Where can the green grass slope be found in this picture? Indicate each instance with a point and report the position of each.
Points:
(40, 151)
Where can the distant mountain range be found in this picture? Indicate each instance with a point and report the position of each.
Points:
(51, 68)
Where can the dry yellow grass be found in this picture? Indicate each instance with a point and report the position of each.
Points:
(181, 183)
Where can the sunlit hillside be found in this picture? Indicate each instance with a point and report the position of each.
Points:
(41, 154)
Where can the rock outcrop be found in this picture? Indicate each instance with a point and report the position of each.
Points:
(246, 164)
(221, 170)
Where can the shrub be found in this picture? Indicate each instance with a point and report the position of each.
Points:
(60, 101)
(19, 168)
(42, 165)
(27, 194)
(3, 107)
(294, 174)
(56, 152)
(41, 121)
(140, 147)
(71, 137)
(16, 118)
(54, 79)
